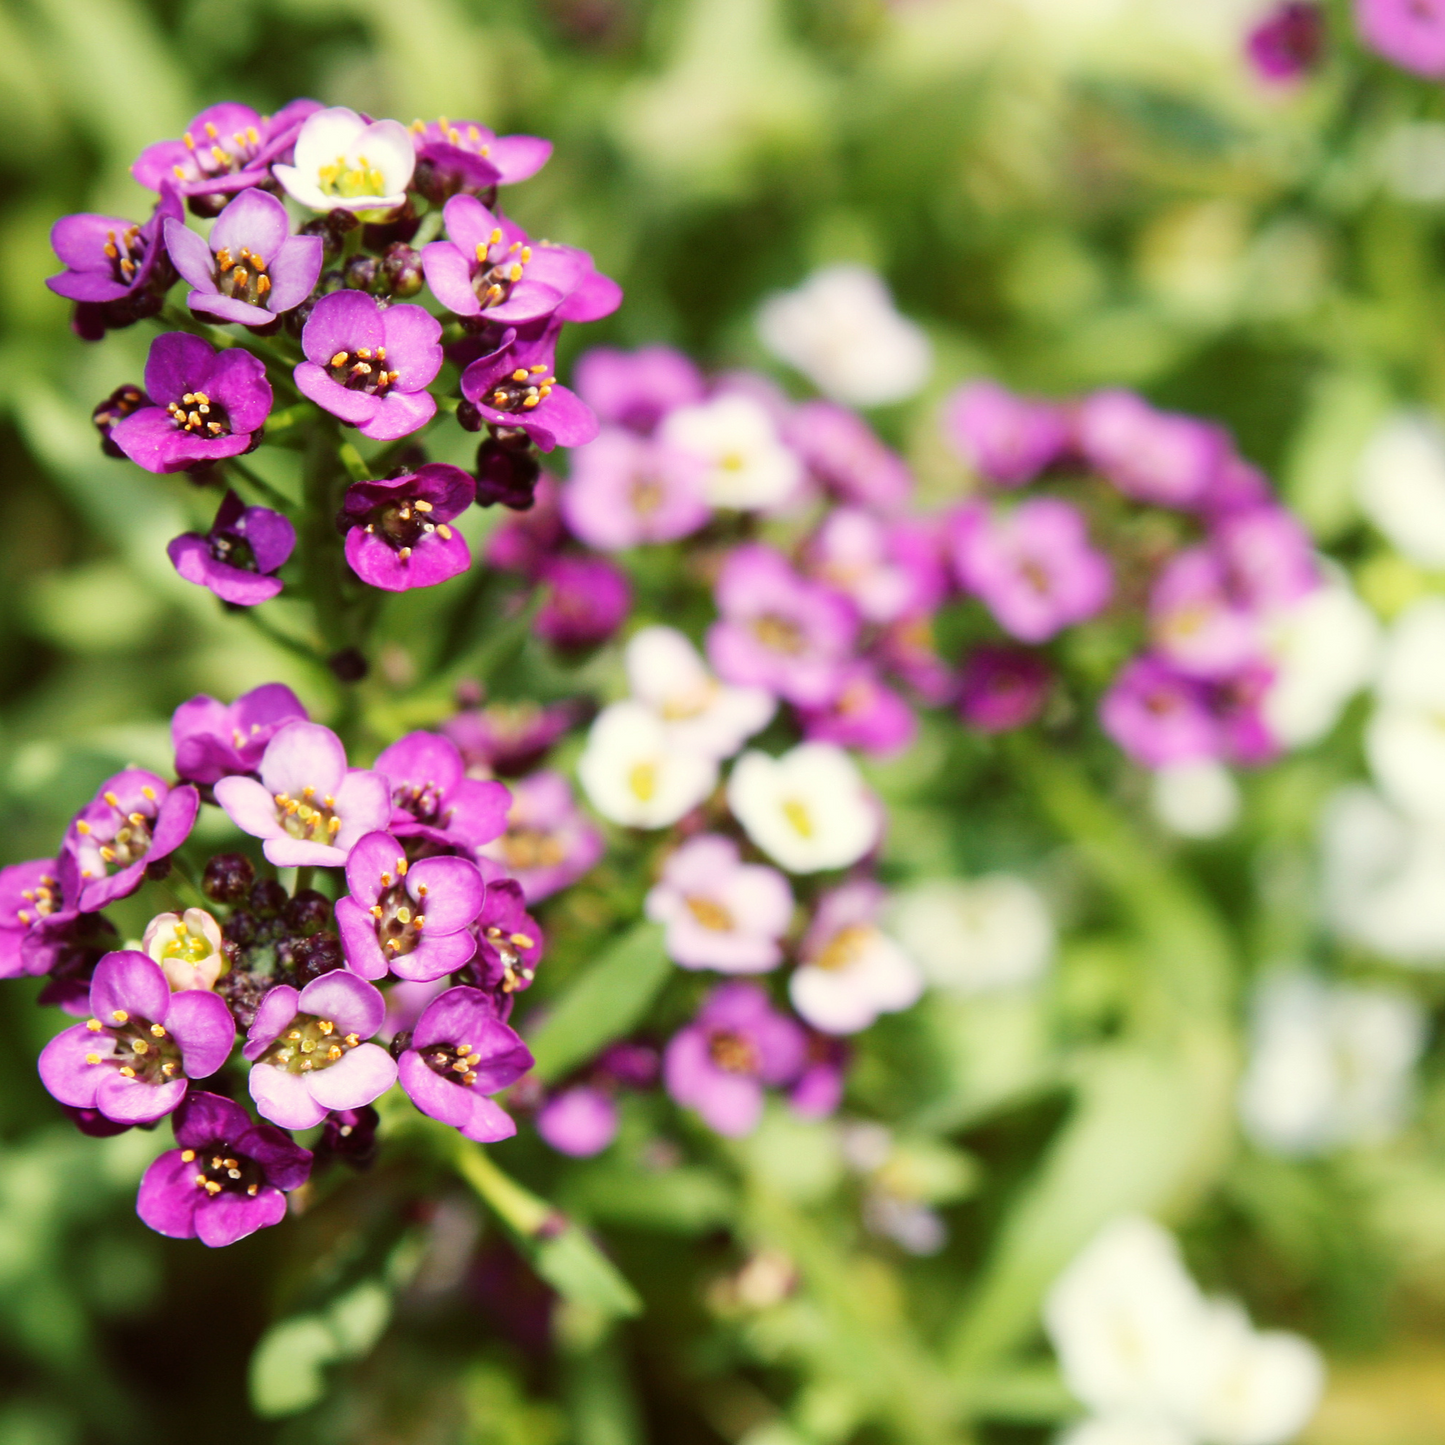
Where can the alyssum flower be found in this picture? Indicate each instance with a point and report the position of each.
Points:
(462, 156)
(397, 529)
(344, 162)
(432, 798)
(212, 740)
(239, 557)
(516, 386)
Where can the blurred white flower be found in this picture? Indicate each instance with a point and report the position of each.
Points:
(747, 463)
(636, 774)
(1196, 800)
(1405, 739)
(1329, 1065)
(666, 672)
(1381, 877)
(970, 936)
(840, 329)
(807, 810)
(1400, 483)
(1324, 648)
(1125, 1430)
(1412, 160)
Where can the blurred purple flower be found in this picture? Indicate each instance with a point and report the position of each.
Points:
(626, 490)
(1005, 438)
(1410, 33)
(510, 738)
(549, 841)
(1003, 688)
(842, 452)
(636, 389)
(866, 714)
(432, 798)
(1289, 42)
(516, 386)
(1154, 456)
(588, 599)
(580, 1121)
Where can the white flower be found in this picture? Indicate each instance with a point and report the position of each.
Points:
(970, 936)
(1324, 648)
(840, 329)
(1405, 739)
(1196, 800)
(748, 464)
(1328, 1065)
(1381, 877)
(342, 162)
(807, 810)
(1400, 485)
(1125, 1430)
(634, 772)
(665, 671)
(187, 947)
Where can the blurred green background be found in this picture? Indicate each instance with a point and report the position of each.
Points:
(1066, 193)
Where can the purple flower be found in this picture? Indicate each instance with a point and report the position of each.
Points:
(1238, 486)
(1153, 456)
(133, 1059)
(819, 1089)
(1238, 706)
(526, 542)
(510, 738)
(491, 270)
(370, 365)
(720, 912)
(206, 405)
(720, 1063)
(310, 808)
(906, 649)
(888, 569)
(228, 1177)
(580, 1121)
(516, 386)
(28, 893)
(1196, 623)
(432, 798)
(238, 557)
(461, 1052)
(115, 270)
(411, 919)
(136, 818)
(308, 1051)
(398, 535)
(777, 630)
(549, 842)
(841, 451)
(1267, 554)
(636, 389)
(65, 943)
(1289, 42)
(1410, 33)
(1158, 716)
(626, 490)
(1003, 688)
(227, 148)
(250, 268)
(461, 155)
(212, 740)
(1032, 566)
(1006, 438)
(587, 601)
(509, 944)
(866, 714)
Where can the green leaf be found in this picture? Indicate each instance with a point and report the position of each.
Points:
(605, 1003)
(287, 1372)
(687, 1200)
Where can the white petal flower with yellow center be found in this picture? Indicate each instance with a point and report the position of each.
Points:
(747, 464)
(636, 774)
(187, 947)
(343, 162)
(1405, 739)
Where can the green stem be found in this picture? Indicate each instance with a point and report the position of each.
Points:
(272, 633)
(261, 486)
(356, 465)
(518, 1208)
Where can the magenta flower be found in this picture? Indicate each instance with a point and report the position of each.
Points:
(1267, 555)
(1032, 566)
(579, 1122)
(509, 944)
(62, 943)
(1238, 487)
(398, 535)
(516, 386)
(238, 558)
(720, 912)
(28, 893)
(1289, 42)
(490, 269)
(777, 630)
(135, 819)
(819, 1089)
(636, 389)
(1237, 703)
(308, 1051)
(844, 455)
(1409, 33)
(627, 490)
(206, 405)
(721, 1062)
(432, 798)
(1006, 438)
(250, 268)
(1003, 688)
(115, 270)
(526, 542)
(461, 155)
(1153, 456)
(510, 738)
(370, 365)
(227, 148)
(1158, 716)
(226, 1179)
(309, 807)
(549, 841)
(588, 599)
(133, 1059)
(866, 714)
(907, 651)
(888, 569)
(409, 918)
(460, 1052)
(1196, 623)
(212, 740)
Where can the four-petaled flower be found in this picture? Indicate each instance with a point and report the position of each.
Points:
(344, 162)
(227, 1178)
(398, 533)
(239, 557)
(134, 1057)
(509, 944)
(212, 740)
(460, 155)
(516, 386)
(28, 893)
(433, 799)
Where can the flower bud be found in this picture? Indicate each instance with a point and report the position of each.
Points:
(115, 408)
(308, 912)
(361, 273)
(187, 947)
(268, 897)
(401, 270)
(311, 957)
(349, 664)
(228, 878)
(350, 1134)
(507, 470)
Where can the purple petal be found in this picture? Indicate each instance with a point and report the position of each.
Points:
(129, 1101)
(421, 760)
(372, 855)
(413, 345)
(294, 272)
(434, 1096)
(363, 803)
(358, 940)
(449, 489)
(130, 984)
(175, 362)
(449, 274)
(287, 852)
(80, 240)
(487, 1121)
(272, 537)
(343, 321)
(567, 419)
(580, 1122)
(286, 1163)
(453, 1017)
(238, 381)
(315, 384)
(169, 1196)
(284, 1098)
(63, 1067)
(277, 1010)
(597, 296)
(228, 308)
(153, 441)
(350, 1002)
(400, 414)
(254, 221)
(87, 286)
(204, 1119)
(174, 821)
(477, 810)
(364, 1074)
(190, 555)
(434, 958)
(519, 157)
(433, 560)
(249, 806)
(191, 256)
(205, 1030)
(227, 1217)
(453, 892)
(302, 755)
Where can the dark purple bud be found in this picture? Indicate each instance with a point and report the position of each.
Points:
(508, 468)
(311, 957)
(308, 912)
(401, 225)
(94, 1123)
(158, 871)
(350, 1135)
(240, 929)
(116, 407)
(349, 664)
(400, 1044)
(242, 992)
(468, 417)
(361, 273)
(228, 878)
(401, 270)
(268, 897)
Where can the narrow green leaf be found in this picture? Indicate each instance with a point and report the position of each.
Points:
(605, 1003)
